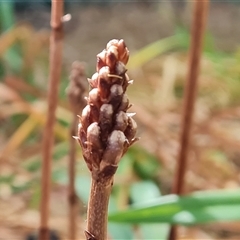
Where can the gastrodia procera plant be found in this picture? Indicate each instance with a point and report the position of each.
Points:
(105, 129)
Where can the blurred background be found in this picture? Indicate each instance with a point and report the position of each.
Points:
(157, 34)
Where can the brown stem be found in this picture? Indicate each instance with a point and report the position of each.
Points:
(72, 196)
(198, 27)
(97, 216)
(48, 138)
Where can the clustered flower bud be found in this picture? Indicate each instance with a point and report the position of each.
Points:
(105, 129)
(77, 86)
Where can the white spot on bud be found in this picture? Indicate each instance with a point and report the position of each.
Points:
(94, 76)
(93, 129)
(113, 50)
(86, 111)
(116, 90)
(120, 68)
(93, 96)
(115, 148)
(93, 133)
(104, 72)
(131, 114)
(121, 121)
(113, 42)
(107, 109)
(117, 138)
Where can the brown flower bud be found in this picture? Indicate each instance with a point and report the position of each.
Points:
(94, 113)
(124, 104)
(114, 150)
(106, 130)
(131, 130)
(116, 94)
(85, 119)
(113, 42)
(120, 68)
(94, 146)
(93, 81)
(101, 60)
(121, 121)
(93, 135)
(111, 57)
(124, 57)
(105, 120)
(121, 46)
(104, 73)
(94, 98)
(103, 83)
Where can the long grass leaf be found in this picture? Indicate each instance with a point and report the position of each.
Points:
(200, 207)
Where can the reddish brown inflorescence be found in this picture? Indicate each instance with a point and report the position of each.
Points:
(105, 129)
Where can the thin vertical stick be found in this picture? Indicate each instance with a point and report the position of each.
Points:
(75, 92)
(198, 27)
(72, 192)
(48, 138)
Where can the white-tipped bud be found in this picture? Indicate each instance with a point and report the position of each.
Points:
(94, 147)
(103, 83)
(85, 119)
(121, 122)
(120, 68)
(105, 116)
(93, 98)
(105, 120)
(114, 50)
(115, 147)
(121, 46)
(93, 136)
(116, 94)
(125, 103)
(124, 56)
(113, 42)
(101, 60)
(106, 111)
(116, 90)
(95, 76)
(112, 56)
(93, 81)
(104, 72)
(131, 129)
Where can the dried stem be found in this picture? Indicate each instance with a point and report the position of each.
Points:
(72, 196)
(98, 209)
(198, 27)
(48, 137)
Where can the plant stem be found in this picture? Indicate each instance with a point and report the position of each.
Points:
(72, 196)
(97, 217)
(48, 137)
(75, 91)
(198, 27)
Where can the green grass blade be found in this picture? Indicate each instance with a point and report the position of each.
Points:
(152, 50)
(6, 15)
(200, 207)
